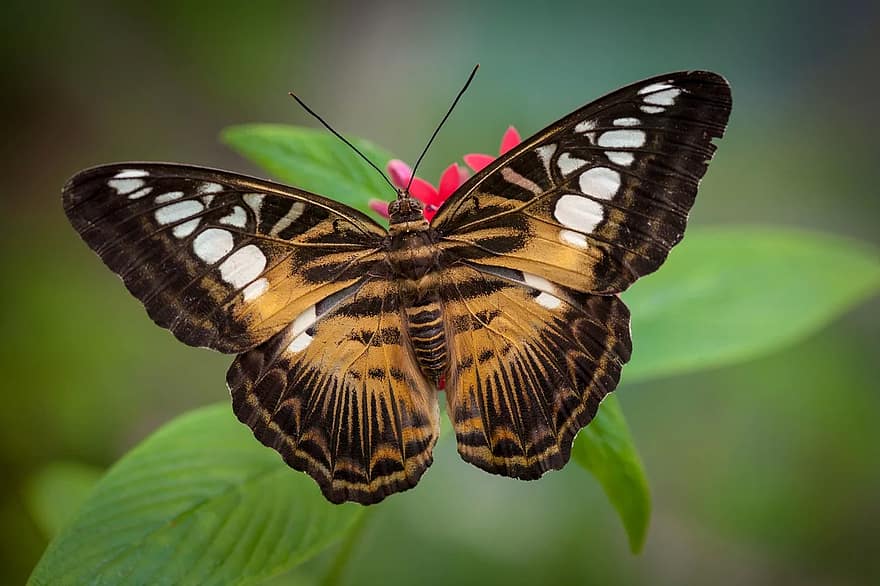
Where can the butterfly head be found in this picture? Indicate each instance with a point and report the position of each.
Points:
(406, 214)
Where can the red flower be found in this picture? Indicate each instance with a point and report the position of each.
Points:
(478, 161)
(450, 180)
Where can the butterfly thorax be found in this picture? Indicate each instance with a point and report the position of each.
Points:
(414, 259)
(412, 251)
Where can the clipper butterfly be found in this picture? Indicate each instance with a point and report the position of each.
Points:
(343, 329)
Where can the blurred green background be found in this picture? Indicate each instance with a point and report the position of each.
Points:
(762, 473)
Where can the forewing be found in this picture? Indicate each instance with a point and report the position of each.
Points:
(600, 197)
(339, 396)
(529, 364)
(222, 260)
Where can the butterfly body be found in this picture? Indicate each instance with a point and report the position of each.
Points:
(343, 328)
(412, 250)
(414, 262)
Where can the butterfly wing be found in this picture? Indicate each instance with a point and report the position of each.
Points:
(339, 395)
(222, 260)
(599, 198)
(529, 363)
(541, 240)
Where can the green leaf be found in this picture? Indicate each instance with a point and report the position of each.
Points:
(55, 493)
(315, 161)
(200, 501)
(734, 293)
(725, 295)
(606, 449)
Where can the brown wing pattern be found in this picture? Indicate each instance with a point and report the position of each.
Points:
(222, 260)
(530, 363)
(339, 395)
(531, 253)
(600, 197)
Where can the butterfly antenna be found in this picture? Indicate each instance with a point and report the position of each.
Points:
(342, 138)
(439, 126)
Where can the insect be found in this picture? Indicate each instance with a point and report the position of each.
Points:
(344, 330)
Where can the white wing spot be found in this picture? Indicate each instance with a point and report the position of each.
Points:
(600, 182)
(295, 211)
(212, 245)
(537, 282)
(300, 343)
(568, 164)
(585, 126)
(303, 321)
(243, 266)
(170, 196)
(185, 229)
(130, 173)
(140, 193)
(625, 139)
(573, 238)
(237, 218)
(548, 301)
(665, 98)
(627, 122)
(255, 202)
(578, 213)
(206, 188)
(541, 284)
(652, 109)
(178, 211)
(125, 186)
(618, 158)
(255, 289)
(654, 87)
(545, 153)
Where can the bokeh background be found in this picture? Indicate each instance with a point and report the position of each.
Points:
(763, 473)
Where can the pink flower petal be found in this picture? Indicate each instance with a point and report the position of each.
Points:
(478, 161)
(449, 182)
(510, 139)
(400, 172)
(451, 179)
(424, 191)
(379, 206)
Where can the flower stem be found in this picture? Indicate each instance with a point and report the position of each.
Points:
(335, 574)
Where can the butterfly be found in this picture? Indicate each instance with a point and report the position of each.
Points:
(344, 329)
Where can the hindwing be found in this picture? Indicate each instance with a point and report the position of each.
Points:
(339, 395)
(530, 362)
(599, 198)
(222, 260)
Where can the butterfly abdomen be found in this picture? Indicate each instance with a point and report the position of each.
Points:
(415, 261)
(425, 321)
